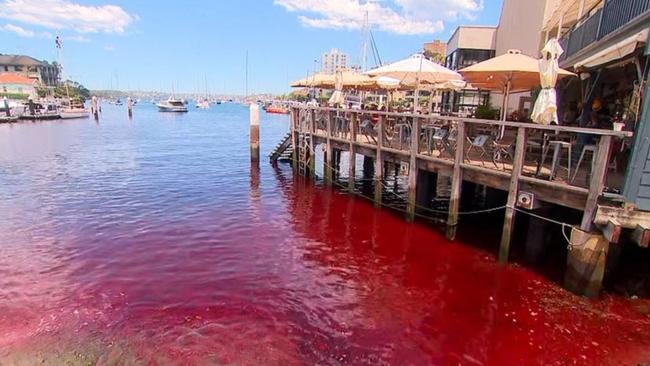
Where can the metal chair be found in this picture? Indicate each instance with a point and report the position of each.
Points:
(479, 142)
(557, 146)
(587, 148)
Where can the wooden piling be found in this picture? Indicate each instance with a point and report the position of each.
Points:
(379, 162)
(352, 152)
(329, 153)
(513, 191)
(129, 106)
(255, 132)
(312, 147)
(413, 170)
(586, 261)
(456, 182)
(295, 113)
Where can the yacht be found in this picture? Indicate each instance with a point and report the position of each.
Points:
(172, 105)
(203, 104)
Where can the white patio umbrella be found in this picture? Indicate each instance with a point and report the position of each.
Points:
(545, 109)
(416, 70)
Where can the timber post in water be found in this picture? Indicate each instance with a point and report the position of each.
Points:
(129, 106)
(467, 150)
(255, 132)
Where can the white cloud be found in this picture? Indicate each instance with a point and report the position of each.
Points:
(109, 47)
(22, 32)
(79, 39)
(63, 14)
(407, 17)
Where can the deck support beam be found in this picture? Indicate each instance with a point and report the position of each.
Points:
(586, 260)
(513, 191)
(352, 153)
(379, 163)
(295, 115)
(312, 148)
(413, 170)
(329, 152)
(456, 182)
(597, 183)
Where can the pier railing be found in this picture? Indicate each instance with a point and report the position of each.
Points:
(569, 166)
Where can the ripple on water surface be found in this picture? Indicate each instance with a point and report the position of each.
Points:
(153, 240)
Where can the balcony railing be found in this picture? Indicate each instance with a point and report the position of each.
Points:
(614, 15)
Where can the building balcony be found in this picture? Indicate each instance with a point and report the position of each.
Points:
(615, 15)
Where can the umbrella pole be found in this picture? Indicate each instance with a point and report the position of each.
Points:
(504, 111)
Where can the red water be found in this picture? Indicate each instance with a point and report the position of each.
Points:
(153, 242)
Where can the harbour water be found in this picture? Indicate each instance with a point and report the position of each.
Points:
(153, 241)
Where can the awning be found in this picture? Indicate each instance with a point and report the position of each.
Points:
(615, 52)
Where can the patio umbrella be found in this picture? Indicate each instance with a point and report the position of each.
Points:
(545, 109)
(316, 80)
(416, 70)
(387, 83)
(508, 73)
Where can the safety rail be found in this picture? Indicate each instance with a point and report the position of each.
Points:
(593, 27)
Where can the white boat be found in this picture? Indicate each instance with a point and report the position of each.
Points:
(172, 105)
(71, 113)
(74, 109)
(203, 104)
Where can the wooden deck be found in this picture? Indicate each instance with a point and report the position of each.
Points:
(509, 156)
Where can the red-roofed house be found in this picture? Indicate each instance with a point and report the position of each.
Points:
(12, 83)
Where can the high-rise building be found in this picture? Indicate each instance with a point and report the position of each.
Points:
(333, 60)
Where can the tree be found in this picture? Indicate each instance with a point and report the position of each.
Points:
(435, 57)
(72, 89)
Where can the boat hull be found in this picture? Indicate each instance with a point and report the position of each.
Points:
(74, 115)
(172, 109)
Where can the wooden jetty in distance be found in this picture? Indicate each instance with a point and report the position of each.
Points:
(531, 162)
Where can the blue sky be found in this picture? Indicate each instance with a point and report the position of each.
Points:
(156, 45)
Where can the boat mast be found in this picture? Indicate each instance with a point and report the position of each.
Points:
(59, 50)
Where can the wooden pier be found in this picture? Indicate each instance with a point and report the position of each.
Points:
(523, 159)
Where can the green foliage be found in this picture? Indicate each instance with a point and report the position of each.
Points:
(41, 91)
(486, 112)
(15, 96)
(75, 90)
(435, 57)
(298, 96)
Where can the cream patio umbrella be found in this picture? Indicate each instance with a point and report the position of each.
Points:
(416, 70)
(317, 80)
(545, 109)
(508, 73)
